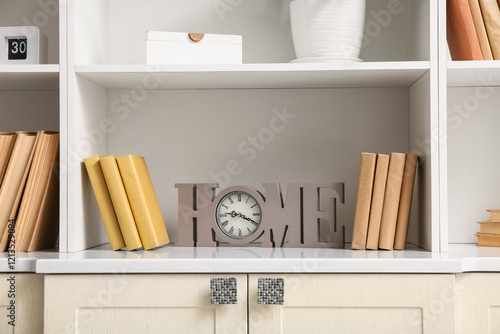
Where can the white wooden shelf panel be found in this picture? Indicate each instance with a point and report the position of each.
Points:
(29, 77)
(485, 73)
(255, 76)
(24, 262)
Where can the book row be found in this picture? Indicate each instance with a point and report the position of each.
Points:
(473, 29)
(29, 190)
(127, 202)
(489, 231)
(383, 204)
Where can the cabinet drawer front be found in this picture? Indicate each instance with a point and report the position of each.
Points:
(346, 303)
(478, 303)
(141, 304)
(27, 295)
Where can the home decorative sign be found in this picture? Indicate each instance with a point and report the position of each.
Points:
(240, 215)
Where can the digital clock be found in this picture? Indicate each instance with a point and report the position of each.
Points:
(22, 45)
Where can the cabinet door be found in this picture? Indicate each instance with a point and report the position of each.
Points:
(121, 304)
(478, 303)
(346, 303)
(25, 293)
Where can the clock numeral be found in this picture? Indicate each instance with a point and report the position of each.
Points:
(222, 215)
(225, 206)
(247, 199)
(223, 224)
(257, 214)
(249, 230)
(239, 233)
(254, 205)
(239, 197)
(254, 222)
(231, 230)
(230, 200)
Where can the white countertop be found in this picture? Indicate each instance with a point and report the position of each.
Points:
(171, 259)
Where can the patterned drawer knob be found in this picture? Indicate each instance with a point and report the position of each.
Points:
(271, 291)
(223, 290)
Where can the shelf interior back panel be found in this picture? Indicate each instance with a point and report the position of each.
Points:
(473, 159)
(394, 31)
(269, 135)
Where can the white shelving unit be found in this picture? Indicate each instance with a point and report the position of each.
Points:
(189, 121)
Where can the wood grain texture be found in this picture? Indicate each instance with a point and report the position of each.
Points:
(349, 303)
(28, 301)
(478, 303)
(122, 304)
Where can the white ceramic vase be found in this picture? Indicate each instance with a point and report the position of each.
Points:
(327, 30)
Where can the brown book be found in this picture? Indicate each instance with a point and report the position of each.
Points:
(461, 32)
(477, 17)
(44, 162)
(489, 227)
(15, 179)
(391, 201)
(405, 201)
(488, 239)
(7, 140)
(491, 17)
(363, 202)
(377, 201)
(494, 214)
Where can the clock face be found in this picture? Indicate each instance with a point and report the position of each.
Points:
(238, 214)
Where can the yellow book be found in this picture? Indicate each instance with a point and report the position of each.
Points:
(104, 202)
(143, 201)
(120, 202)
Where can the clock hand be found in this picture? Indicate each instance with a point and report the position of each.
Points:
(250, 220)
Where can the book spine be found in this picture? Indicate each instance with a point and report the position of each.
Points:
(482, 35)
(377, 201)
(391, 201)
(405, 202)
(120, 202)
(363, 202)
(103, 198)
(143, 201)
(491, 16)
(7, 141)
(461, 32)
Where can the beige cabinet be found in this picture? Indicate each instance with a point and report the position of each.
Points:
(347, 303)
(26, 291)
(123, 304)
(478, 303)
(313, 303)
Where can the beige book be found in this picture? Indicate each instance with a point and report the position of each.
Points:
(101, 193)
(377, 201)
(15, 178)
(363, 201)
(491, 16)
(47, 223)
(477, 17)
(494, 214)
(143, 201)
(44, 162)
(405, 202)
(492, 240)
(7, 140)
(121, 203)
(489, 227)
(391, 201)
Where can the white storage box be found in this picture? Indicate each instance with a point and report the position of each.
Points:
(185, 48)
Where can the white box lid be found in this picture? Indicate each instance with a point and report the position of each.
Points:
(184, 37)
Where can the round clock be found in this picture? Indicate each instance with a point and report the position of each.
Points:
(238, 214)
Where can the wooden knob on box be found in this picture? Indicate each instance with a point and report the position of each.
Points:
(196, 37)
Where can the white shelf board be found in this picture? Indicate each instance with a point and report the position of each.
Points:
(484, 73)
(24, 262)
(255, 76)
(29, 77)
(171, 259)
